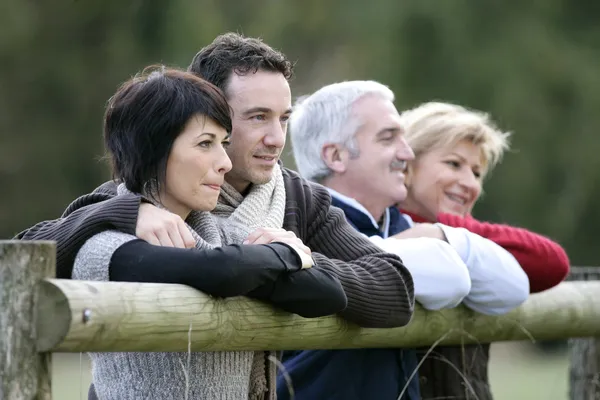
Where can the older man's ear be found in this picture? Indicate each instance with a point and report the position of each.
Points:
(335, 157)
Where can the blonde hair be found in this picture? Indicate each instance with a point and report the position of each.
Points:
(435, 125)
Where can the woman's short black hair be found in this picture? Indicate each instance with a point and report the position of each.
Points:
(147, 114)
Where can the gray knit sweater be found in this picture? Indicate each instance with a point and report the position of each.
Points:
(164, 376)
(207, 375)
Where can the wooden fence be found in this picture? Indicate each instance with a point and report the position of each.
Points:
(40, 315)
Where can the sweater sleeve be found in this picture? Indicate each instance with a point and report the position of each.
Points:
(544, 261)
(266, 272)
(310, 293)
(226, 271)
(378, 286)
(498, 283)
(440, 277)
(85, 217)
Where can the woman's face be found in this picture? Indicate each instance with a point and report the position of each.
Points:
(196, 168)
(445, 180)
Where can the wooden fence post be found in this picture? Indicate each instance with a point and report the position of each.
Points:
(584, 353)
(24, 373)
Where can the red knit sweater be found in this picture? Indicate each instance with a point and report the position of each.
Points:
(545, 262)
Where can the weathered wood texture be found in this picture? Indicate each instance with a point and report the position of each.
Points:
(157, 317)
(584, 354)
(24, 373)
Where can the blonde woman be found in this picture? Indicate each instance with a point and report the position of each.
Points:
(455, 148)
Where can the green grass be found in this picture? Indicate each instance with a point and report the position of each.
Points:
(517, 372)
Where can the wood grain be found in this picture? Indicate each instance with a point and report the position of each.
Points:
(157, 317)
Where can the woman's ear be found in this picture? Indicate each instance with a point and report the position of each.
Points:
(335, 157)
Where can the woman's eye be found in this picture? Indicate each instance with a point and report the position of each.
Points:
(477, 174)
(453, 164)
(226, 143)
(259, 117)
(205, 144)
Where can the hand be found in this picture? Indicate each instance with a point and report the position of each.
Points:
(273, 235)
(422, 230)
(162, 228)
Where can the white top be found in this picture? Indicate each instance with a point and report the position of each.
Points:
(468, 268)
(497, 283)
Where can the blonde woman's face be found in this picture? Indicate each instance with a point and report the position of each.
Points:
(446, 180)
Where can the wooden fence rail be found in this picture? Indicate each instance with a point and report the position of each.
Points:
(40, 315)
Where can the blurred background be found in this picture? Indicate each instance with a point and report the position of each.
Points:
(535, 66)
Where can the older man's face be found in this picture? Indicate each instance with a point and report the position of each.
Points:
(378, 171)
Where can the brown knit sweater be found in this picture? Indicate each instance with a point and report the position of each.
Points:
(378, 286)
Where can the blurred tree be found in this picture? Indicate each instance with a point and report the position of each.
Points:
(532, 65)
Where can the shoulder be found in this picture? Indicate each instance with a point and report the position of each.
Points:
(298, 188)
(104, 192)
(106, 241)
(97, 252)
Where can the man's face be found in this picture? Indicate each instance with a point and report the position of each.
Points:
(261, 104)
(377, 174)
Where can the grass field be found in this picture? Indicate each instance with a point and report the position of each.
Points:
(517, 372)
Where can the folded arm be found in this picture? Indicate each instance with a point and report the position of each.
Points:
(85, 217)
(440, 276)
(498, 283)
(378, 286)
(267, 272)
(544, 261)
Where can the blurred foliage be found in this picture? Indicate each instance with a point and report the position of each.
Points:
(533, 65)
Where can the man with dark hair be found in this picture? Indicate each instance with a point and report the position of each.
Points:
(232, 52)
(254, 78)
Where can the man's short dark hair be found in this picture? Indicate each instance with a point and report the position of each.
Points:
(232, 52)
(147, 114)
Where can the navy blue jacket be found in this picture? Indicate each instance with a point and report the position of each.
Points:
(357, 374)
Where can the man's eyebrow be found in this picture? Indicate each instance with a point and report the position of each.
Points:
(391, 129)
(264, 110)
(253, 110)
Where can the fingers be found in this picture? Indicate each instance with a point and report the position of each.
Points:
(188, 240)
(151, 238)
(272, 235)
(267, 235)
(164, 239)
(176, 238)
(163, 228)
(254, 236)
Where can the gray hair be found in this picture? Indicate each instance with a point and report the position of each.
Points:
(326, 117)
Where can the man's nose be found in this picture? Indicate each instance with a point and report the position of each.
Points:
(405, 152)
(275, 137)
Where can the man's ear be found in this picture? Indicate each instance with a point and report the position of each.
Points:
(335, 157)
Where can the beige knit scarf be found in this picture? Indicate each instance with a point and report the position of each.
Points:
(263, 206)
(234, 218)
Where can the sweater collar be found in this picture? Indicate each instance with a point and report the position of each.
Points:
(361, 218)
